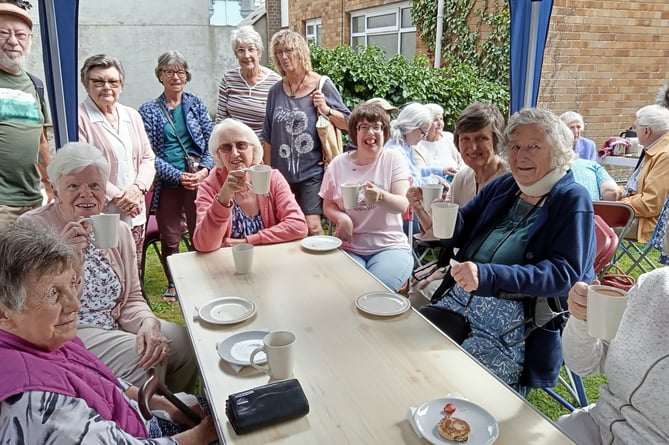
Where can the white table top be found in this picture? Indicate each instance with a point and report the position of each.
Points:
(621, 161)
(360, 372)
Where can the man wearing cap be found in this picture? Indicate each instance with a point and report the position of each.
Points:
(24, 150)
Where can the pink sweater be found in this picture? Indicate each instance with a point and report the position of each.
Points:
(281, 215)
(131, 308)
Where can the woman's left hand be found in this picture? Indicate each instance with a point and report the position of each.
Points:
(229, 242)
(191, 181)
(130, 201)
(466, 275)
(152, 346)
(373, 194)
(320, 103)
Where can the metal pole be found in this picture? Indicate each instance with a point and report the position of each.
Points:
(531, 54)
(440, 32)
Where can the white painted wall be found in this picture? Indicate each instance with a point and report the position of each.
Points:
(137, 32)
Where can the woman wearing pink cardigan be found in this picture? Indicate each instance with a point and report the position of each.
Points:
(229, 212)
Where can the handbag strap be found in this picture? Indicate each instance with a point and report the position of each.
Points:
(163, 108)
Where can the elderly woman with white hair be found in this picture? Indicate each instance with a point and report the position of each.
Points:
(115, 323)
(438, 148)
(529, 234)
(229, 212)
(584, 147)
(242, 93)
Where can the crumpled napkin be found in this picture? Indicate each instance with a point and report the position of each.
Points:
(412, 411)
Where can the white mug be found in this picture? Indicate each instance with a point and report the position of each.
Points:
(242, 255)
(105, 229)
(444, 217)
(260, 175)
(350, 194)
(279, 349)
(431, 192)
(606, 305)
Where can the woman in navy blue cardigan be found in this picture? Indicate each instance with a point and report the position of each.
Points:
(529, 233)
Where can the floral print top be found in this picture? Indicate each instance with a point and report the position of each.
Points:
(102, 289)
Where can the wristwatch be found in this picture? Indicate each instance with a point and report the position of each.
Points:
(140, 187)
(330, 112)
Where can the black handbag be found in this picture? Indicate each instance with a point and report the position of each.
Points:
(266, 405)
(453, 324)
(192, 161)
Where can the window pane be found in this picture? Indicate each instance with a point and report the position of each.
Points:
(310, 29)
(319, 37)
(357, 41)
(408, 45)
(358, 24)
(407, 20)
(382, 21)
(386, 41)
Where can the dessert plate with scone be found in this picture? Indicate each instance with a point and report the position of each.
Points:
(465, 422)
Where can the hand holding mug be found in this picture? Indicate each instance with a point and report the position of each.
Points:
(76, 233)
(234, 183)
(577, 300)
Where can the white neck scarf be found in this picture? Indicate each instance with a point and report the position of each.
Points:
(545, 184)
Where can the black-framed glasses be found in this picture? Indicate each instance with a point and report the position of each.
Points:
(362, 128)
(100, 83)
(180, 73)
(239, 145)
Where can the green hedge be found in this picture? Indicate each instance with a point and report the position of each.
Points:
(367, 73)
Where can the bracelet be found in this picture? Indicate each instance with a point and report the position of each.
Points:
(380, 197)
(45, 180)
(227, 206)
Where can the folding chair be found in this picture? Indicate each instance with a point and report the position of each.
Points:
(637, 252)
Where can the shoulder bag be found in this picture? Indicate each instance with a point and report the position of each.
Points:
(192, 161)
(330, 136)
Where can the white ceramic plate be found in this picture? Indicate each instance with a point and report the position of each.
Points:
(484, 426)
(382, 303)
(321, 243)
(237, 348)
(227, 310)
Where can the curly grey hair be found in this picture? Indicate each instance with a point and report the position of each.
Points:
(101, 61)
(246, 34)
(74, 157)
(230, 124)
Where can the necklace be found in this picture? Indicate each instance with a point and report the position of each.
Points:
(294, 91)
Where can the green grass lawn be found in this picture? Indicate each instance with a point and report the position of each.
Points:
(156, 283)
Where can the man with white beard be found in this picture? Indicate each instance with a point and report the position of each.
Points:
(24, 151)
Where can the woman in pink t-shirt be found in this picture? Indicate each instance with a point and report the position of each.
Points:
(371, 232)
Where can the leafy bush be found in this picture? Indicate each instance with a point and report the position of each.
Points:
(366, 74)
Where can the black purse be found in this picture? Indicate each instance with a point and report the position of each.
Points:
(453, 324)
(192, 161)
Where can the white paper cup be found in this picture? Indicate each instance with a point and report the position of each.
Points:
(431, 192)
(260, 178)
(242, 255)
(444, 217)
(105, 229)
(279, 348)
(606, 306)
(350, 193)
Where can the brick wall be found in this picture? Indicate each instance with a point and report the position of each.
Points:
(604, 59)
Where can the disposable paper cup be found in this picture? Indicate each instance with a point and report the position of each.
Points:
(260, 178)
(606, 306)
(444, 217)
(279, 349)
(242, 255)
(350, 192)
(431, 192)
(105, 229)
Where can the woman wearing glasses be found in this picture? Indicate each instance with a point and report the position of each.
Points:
(372, 231)
(119, 133)
(229, 212)
(243, 91)
(178, 126)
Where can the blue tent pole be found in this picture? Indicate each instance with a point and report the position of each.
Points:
(59, 32)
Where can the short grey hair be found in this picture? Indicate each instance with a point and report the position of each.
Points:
(28, 252)
(246, 34)
(233, 124)
(558, 136)
(435, 109)
(412, 116)
(571, 116)
(172, 58)
(655, 117)
(101, 61)
(73, 157)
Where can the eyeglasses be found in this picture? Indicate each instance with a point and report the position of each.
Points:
(181, 73)
(239, 145)
(532, 148)
(243, 51)
(21, 36)
(100, 83)
(368, 128)
(287, 51)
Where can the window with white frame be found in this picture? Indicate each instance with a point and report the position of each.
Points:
(389, 27)
(313, 31)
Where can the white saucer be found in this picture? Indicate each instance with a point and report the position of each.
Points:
(237, 348)
(321, 243)
(227, 310)
(484, 426)
(382, 303)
